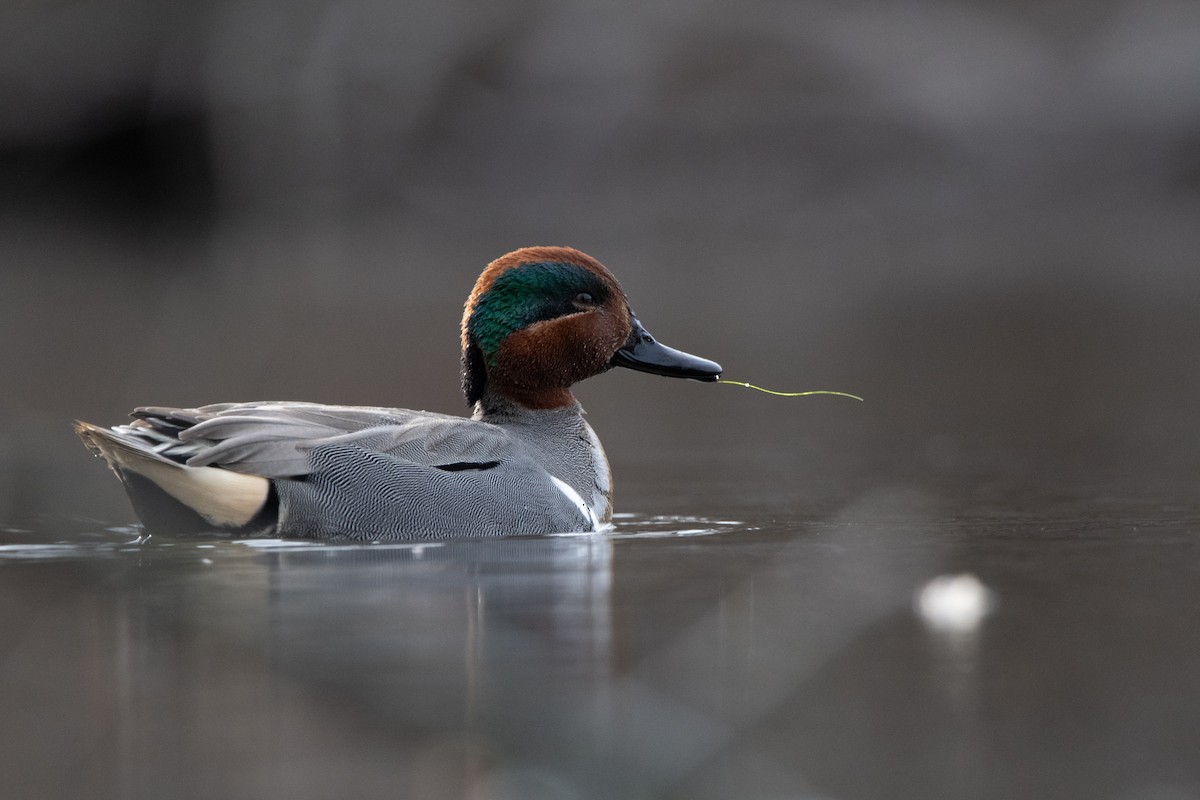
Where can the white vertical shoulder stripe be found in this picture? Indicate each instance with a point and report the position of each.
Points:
(574, 497)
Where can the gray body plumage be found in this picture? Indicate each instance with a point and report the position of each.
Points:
(381, 473)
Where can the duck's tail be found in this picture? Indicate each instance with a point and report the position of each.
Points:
(220, 497)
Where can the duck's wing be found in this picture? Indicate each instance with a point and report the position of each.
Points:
(310, 416)
(276, 439)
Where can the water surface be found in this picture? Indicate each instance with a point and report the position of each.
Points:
(680, 657)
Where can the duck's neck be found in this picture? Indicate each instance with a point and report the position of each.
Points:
(515, 403)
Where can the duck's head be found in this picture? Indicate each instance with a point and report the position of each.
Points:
(541, 319)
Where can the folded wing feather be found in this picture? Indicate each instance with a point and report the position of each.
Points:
(274, 440)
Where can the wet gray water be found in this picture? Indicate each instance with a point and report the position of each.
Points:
(687, 657)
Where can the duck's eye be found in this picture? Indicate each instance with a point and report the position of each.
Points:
(583, 298)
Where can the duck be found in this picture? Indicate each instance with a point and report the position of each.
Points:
(538, 321)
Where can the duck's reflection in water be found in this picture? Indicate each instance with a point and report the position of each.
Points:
(346, 667)
(450, 613)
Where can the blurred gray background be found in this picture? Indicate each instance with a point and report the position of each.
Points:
(983, 216)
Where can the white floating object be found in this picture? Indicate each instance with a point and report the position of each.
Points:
(954, 603)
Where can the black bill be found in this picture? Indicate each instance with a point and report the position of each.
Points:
(643, 353)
